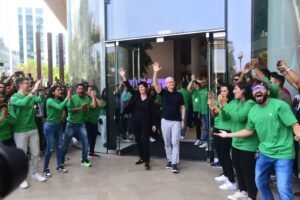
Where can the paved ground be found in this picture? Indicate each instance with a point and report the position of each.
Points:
(118, 178)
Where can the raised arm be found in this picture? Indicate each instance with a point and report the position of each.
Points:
(122, 73)
(292, 77)
(193, 78)
(156, 67)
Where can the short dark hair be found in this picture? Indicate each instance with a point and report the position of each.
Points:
(145, 84)
(278, 77)
(266, 72)
(80, 84)
(20, 81)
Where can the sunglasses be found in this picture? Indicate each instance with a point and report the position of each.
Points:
(235, 79)
(258, 87)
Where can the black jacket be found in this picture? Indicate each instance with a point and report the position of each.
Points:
(130, 107)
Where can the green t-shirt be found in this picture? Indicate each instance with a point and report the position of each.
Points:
(157, 103)
(237, 112)
(186, 98)
(103, 110)
(221, 123)
(92, 115)
(6, 126)
(203, 95)
(75, 102)
(272, 123)
(23, 106)
(274, 89)
(55, 109)
(196, 100)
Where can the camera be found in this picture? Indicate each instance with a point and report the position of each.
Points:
(278, 63)
(13, 169)
(19, 74)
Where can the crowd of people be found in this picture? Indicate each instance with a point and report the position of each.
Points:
(63, 116)
(255, 121)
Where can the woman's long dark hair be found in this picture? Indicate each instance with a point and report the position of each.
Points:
(230, 91)
(50, 94)
(247, 90)
(51, 91)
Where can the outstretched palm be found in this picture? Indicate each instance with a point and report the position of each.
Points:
(156, 66)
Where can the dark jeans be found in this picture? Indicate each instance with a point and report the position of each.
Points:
(197, 122)
(54, 136)
(92, 131)
(244, 164)
(223, 147)
(79, 131)
(142, 130)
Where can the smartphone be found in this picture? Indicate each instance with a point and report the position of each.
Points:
(278, 63)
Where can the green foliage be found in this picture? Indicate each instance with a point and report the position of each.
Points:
(31, 67)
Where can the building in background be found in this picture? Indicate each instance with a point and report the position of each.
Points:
(19, 21)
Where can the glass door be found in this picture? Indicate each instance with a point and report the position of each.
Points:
(120, 134)
(217, 74)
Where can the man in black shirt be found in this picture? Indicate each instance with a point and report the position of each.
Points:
(173, 112)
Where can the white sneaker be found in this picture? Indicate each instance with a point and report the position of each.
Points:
(221, 178)
(197, 142)
(204, 145)
(237, 195)
(24, 185)
(228, 186)
(152, 139)
(38, 177)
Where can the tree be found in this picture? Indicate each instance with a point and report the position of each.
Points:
(31, 67)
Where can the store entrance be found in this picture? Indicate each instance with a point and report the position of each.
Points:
(200, 54)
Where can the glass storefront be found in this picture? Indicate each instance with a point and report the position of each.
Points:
(150, 18)
(219, 38)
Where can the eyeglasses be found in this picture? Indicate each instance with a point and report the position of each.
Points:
(235, 79)
(258, 87)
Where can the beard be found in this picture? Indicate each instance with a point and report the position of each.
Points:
(261, 98)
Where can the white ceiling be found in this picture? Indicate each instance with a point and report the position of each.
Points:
(59, 8)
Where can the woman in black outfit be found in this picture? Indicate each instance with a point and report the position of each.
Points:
(141, 105)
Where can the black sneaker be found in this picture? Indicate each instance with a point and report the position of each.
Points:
(147, 166)
(174, 168)
(169, 165)
(140, 161)
(47, 173)
(61, 169)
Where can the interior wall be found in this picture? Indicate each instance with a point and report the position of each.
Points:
(164, 54)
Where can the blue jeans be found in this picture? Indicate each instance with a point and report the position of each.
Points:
(79, 131)
(204, 119)
(54, 134)
(283, 171)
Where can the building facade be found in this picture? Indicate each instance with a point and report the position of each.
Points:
(208, 38)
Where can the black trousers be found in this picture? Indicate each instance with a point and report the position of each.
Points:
(9, 142)
(92, 131)
(142, 131)
(39, 121)
(223, 147)
(197, 122)
(244, 164)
